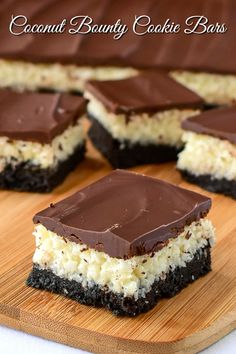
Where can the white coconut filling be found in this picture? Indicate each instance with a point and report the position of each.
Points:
(213, 88)
(131, 277)
(158, 128)
(15, 152)
(204, 154)
(23, 75)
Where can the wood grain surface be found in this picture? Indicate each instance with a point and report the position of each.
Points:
(187, 323)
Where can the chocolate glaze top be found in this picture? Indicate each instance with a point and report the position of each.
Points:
(148, 92)
(39, 117)
(205, 52)
(125, 214)
(220, 123)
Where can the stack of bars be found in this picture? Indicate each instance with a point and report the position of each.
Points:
(41, 139)
(209, 156)
(123, 243)
(138, 120)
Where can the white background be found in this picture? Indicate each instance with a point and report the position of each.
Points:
(12, 342)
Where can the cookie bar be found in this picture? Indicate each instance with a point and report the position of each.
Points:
(138, 120)
(41, 139)
(123, 243)
(22, 75)
(209, 156)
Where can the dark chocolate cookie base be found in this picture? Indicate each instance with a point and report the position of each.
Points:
(118, 304)
(48, 90)
(208, 106)
(214, 185)
(29, 178)
(124, 155)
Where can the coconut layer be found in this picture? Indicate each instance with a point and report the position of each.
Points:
(208, 155)
(22, 75)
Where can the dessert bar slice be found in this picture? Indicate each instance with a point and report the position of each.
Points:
(209, 157)
(122, 243)
(138, 120)
(41, 139)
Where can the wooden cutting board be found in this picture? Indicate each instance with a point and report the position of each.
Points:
(189, 322)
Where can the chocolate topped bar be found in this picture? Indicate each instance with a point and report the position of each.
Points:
(38, 116)
(41, 139)
(125, 214)
(123, 243)
(138, 120)
(209, 156)
(220, 123)
(206, 52)
(148, 92)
